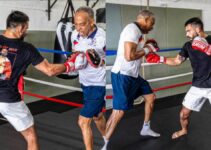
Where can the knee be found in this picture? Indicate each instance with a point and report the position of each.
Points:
(184, 114)
(30, 135)
(118, 114)
(82, 123)
(98, 118)
(151, 98)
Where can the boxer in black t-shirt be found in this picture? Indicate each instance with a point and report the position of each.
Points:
(198, 50)
(15, 57)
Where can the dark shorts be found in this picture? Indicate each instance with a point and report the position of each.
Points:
(126, 89)
(93, 100)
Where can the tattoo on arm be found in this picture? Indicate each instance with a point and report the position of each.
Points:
(181, 58)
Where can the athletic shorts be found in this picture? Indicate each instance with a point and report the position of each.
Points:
(17, 114)
(94, 100)
(126, 89)
(196, 97)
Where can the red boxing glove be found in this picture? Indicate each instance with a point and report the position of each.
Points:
(153, 43)
(202, 45)
(154, 58)
(70, 63)
(151, 46)
(76, 61)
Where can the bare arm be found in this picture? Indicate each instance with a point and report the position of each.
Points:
(131, 53)
(175, 61)
(50, 69)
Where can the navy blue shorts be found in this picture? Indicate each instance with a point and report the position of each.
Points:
(93, 97)
(126, 89)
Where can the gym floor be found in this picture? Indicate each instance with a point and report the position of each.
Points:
(58, 129)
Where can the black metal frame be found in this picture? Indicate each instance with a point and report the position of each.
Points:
(50, 6)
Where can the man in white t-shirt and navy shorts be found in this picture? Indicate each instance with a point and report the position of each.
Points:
(92, 78)
(126, 81)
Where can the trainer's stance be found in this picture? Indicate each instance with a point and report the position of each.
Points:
(198, 50)
(126, 81)
(15, 57)
(90, 40)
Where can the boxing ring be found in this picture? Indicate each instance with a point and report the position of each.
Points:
(108, 86)
(56, 117)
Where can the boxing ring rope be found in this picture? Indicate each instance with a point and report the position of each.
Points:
(143, 64)
(109, 85)
(53, 84)
(109, 53)
(53, 99)
(56, 100)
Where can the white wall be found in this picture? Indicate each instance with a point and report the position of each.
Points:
(204, 5)
(36, 10)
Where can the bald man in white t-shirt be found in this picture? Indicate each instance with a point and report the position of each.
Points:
(126, 81)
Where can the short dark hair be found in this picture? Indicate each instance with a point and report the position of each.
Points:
(87, 10)
(195, 21)
(16, 18)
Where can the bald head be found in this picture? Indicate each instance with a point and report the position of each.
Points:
(144, 14)
(146, 20)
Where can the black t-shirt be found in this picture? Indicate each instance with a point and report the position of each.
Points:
(201, 64)
(15, 57)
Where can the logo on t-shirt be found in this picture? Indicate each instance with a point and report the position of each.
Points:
(75, 42)
(7, 57)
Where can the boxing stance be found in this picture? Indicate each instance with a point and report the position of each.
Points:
(89, 40)
(15, 57)
(127, 84)
(198, 50)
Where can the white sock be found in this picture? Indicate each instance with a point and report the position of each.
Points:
(146, 124)
(147, 131)
(106, 143)
(105, 140)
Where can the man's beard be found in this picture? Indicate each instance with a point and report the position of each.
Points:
(23, 36)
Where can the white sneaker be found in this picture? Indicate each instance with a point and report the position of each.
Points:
(149, 132)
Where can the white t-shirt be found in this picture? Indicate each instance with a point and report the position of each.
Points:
(131, 33)
(91, 76)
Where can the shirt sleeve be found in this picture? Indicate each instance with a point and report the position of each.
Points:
(184, 50)
(100, 46)
(131, 34)
(35, 56)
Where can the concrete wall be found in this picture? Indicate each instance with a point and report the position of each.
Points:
(168, 29)
(203, 5)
